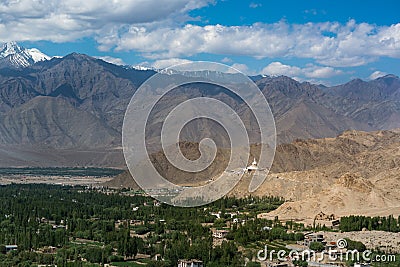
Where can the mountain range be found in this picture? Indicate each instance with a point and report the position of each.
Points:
(76, 104)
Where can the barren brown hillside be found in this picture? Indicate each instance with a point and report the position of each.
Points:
(353, 173)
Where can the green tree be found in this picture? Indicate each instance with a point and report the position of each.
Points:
(3, 249)
(253, 264)
(317, 246)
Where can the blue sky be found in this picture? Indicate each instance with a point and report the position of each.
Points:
(320, 41)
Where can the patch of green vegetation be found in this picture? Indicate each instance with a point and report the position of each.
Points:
(129, 264)
(61, 171)
(79, 226)
(357, 223)
(253, 264)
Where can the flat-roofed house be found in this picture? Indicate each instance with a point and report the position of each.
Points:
(11, 247)
(190, 263)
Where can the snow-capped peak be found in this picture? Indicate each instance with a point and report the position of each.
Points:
(37, 55)
(9, 49)
(13, 55)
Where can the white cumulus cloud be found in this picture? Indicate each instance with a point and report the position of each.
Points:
(226, 60)
(113, 60)
(377, 74)
(165, 63)
(254, 5)
(243, 68)
(310, 71)
(277, 68)
(68, 20)
(161, 31)
(331, 44)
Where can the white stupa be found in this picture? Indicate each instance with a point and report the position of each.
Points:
(253, 166)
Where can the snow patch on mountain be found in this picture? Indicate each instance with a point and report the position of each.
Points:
(37, 55)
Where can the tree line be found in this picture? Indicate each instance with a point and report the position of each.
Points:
(358, 223)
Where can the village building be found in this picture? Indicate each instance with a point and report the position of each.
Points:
(335, 224)
(252, 167)
(190, 263)
(311, 238)
(330, 246)
(220, 233)
(11, 248)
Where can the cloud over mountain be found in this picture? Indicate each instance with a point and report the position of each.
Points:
(170, 32)
(330, 43)
(310, 71)
(61, 21)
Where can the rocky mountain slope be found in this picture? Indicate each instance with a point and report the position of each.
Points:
(376, 102)
(57, 124)
(78, 102)
(301, 110)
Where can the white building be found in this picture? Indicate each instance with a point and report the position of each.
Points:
(220, 233)
(252, 167)
(190, 263)
(11, 247)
